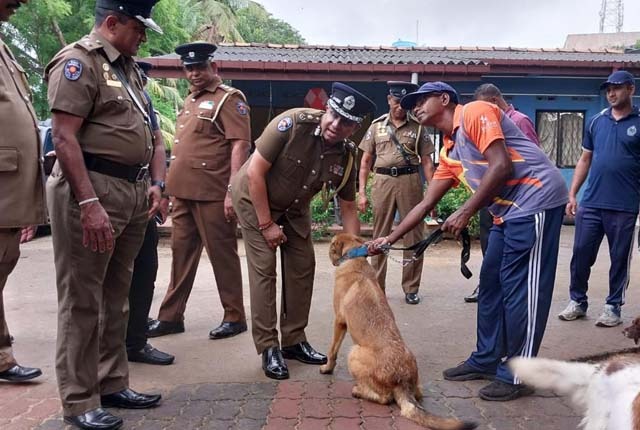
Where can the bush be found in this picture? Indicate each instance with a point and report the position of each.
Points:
(451, 201)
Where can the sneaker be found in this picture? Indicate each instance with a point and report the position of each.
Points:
(473, 297)
(573, 311)
(610, 317)
(464, 372)
(499, 391)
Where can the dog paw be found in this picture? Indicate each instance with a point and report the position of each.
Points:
(326, 369)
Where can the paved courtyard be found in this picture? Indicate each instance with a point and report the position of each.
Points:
(220, 385)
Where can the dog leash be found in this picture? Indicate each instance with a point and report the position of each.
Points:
(420, 247)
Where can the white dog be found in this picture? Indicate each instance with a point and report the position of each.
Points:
(607, 393)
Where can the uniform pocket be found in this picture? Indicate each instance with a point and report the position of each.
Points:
(206, 164)
(116, 104)
(8, 160)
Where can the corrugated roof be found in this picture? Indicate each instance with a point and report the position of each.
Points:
(418, 55)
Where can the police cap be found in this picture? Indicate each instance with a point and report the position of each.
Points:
(139, 9)
(196, 52)
(349, 103)
(399, 89)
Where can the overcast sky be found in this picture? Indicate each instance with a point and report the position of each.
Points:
(516, 23)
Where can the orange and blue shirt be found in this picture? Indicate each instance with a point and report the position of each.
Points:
(536, 184)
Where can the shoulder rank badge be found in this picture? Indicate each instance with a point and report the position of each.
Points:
(73, 69)
(285, 124)
(242, 108)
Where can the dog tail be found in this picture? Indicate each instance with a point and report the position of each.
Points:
(411, 409)
(564, 377)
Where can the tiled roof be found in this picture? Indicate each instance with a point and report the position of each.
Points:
(420, 55)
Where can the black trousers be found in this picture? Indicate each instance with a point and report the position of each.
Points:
(145, 269)
(486, 221)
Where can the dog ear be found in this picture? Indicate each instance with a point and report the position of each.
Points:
(335, 250)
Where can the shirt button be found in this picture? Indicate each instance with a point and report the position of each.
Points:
(296, 201)
(299, 162)
(204, 164)
(322, 157)
(186, 113)
(173, 157)
(304, 187)
(313, 172)
(119, 97)
(176, 140)
(181, 125)
(193, 100)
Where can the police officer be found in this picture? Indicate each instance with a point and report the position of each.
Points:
(300, 153)
(21, 183)
(100, 201)
(211, 144)
(402, 150)
(145, 266)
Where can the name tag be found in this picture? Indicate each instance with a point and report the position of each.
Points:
(206, 105)
(116, 84)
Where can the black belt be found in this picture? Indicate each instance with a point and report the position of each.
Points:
(397, 171)
(117, 170)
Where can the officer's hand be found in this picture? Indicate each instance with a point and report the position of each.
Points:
(97, 231)
(374, 247)
(274, 236)
(229, 213)
(163, 209)
(572, 206)
(362, 203)
(155, 195)
(28, 233)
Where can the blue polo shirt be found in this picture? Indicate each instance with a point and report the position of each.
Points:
(614, 176)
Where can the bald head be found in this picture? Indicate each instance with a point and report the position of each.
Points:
(492, 94)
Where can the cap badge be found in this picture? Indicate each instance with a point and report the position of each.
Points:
(403, 92)
(349, 102)
(192, 54)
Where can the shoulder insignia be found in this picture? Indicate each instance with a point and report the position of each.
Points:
(228, 89)
(73, 69)
(309, 116)
(285, 124)
(380, 118)
(242, 108)
(368, 135)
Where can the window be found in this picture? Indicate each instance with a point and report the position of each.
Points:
(560, 134)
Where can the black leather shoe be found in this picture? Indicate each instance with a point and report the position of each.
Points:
(95, 419)
(412, 298)
(228, 329)
(162, 328)
(19, 373)
(305, 353)
(149, 355)
(273, 364)
(129, 399)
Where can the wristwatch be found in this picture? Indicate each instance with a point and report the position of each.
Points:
(159, 184)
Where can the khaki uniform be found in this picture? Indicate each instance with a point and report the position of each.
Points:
(390, 193)
(93, 287)
(21, 176)
(301, 167)
(198, 177)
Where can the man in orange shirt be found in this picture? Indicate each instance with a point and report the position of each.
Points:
(525, 193)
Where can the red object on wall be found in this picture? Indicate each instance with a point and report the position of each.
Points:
(316, 98)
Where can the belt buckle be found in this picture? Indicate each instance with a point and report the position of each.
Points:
(142, 173)
(393, 171)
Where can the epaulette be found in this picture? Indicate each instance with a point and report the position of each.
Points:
(380, 118)
(88, 44)
(309, 116)
(232, 90)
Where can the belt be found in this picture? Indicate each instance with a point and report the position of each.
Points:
(117, 170)
(397, 171)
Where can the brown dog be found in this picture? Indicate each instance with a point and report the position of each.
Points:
(382, 365)
(633, 331)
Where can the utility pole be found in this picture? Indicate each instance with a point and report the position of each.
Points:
(611, 16)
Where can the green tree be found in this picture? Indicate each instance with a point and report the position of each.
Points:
(255, 24)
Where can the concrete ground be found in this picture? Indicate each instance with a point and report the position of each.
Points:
(220, 385)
